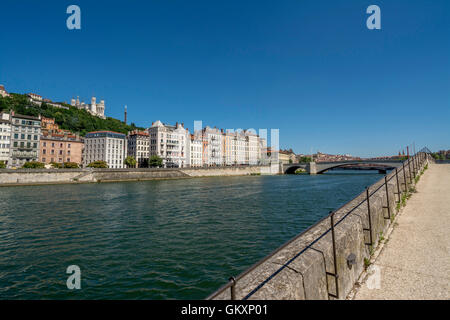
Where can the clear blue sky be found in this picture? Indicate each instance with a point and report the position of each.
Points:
(310, 68)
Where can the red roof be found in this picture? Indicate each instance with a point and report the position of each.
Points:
(106, 131)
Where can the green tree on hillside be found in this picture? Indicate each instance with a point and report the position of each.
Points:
(73, 119)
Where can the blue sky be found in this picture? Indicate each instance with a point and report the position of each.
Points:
(310, 68)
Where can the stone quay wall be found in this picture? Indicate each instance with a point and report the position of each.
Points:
(303, 268)
(10, 177)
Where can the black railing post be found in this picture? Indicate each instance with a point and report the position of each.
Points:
(370, 218)
(232, 288)
(398, 186)
(387, 198)
(335, 274)
(409, 169)
(417, 165)
(414, 166)
(404, 177)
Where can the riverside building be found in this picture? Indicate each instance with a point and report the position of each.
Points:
(252, 149)
(170, 143)
(60, 148)
(236, 150)
(5, 137)
(25, 137)
(195, 150)
(213, 146)
(108, 146)
(138, 147)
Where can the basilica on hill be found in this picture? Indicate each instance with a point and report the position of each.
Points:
(94, 108)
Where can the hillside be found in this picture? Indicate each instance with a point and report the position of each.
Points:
(74, 119)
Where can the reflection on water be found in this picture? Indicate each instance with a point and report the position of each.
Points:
(174, 239)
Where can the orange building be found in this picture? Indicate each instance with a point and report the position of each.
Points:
(49, 124)
(60, 148)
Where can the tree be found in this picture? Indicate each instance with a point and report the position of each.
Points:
(71, 165)
(130, 162)
(305, 160)
(33, 165)
(98, 164)
(2, 165)
(155, 161)
(56, 165)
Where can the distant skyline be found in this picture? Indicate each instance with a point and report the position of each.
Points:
(311, 69)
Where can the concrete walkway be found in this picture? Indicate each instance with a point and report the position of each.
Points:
(415, 261)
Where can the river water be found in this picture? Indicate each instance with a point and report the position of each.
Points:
(167, 239)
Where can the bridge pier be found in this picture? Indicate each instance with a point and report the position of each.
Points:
(311, 168)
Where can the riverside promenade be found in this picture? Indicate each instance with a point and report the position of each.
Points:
(415, 261)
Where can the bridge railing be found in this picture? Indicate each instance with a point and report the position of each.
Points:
(410, 168)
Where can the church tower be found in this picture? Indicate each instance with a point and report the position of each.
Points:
(125, 118)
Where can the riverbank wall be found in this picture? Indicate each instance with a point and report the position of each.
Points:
(325, 261)
(9, 177)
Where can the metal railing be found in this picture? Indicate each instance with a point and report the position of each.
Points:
(410, 168)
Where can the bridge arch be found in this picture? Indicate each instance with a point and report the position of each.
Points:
(291, 169)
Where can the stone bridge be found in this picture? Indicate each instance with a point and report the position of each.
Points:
(321, 167)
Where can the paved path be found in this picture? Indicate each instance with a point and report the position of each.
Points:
(415, 262)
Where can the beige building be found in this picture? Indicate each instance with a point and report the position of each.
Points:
(286, 157)
(195, 148)
(252, 151)
(212, 142)
(170, 143)
(60, 148)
